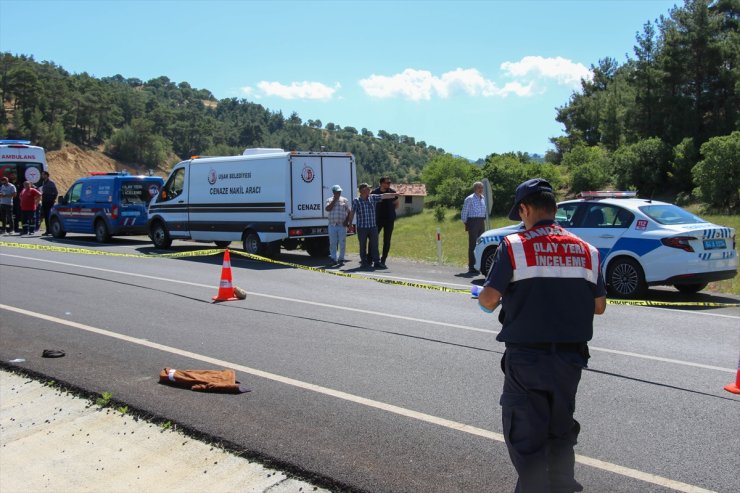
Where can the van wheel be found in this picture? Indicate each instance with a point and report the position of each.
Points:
(272, 249)
(317, 247)
(625, 278)
(222, 244)
(101, 231)
(159, 235)
(252, 244)
(56, 228)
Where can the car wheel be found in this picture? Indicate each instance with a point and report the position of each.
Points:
(160, 236)
(56, 228)
(489, 258)
(101, 231)
(222, 244)
(690, 288)
(625, 278)
(252, 243)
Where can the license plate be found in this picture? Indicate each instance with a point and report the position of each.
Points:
(714, 244)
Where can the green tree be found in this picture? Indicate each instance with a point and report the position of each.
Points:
(717, 175)
(643, 165)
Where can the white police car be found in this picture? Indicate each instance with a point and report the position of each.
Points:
(642, 243)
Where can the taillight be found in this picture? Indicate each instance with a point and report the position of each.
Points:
(114, 212)
(681, 242)
(295, 232)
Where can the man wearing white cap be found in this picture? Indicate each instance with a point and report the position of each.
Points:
(339, 210)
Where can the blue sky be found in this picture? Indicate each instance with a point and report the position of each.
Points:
(470, 77)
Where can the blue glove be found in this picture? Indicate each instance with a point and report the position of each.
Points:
(487, 310)
(475, 290)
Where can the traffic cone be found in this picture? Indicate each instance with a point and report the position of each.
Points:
(226, 288)
(735, 387)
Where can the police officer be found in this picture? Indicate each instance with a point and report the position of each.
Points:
(549, 284)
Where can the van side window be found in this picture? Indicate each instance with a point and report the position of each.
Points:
(74, 193)
(174, 186)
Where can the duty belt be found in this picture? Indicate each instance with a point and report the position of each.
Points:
(568, 347)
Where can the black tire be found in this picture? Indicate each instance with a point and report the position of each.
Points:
(317, 247)
(160, 236)
(253, 244)
(56, 228)
(626, 278)
(486, 263)
(222, 244)
(690, 288)
(101, 231)
(272, 249)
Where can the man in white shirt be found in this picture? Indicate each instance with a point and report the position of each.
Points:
(474, 217)
(339, 210)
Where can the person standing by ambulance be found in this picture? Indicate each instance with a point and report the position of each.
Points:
(7, 194)
(29, 201)
(339, 210)
(550, 285)
(385, 216)
(49, 195)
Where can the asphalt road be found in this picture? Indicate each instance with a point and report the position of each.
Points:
(366, 386)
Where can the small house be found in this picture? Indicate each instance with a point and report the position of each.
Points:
(411, 198)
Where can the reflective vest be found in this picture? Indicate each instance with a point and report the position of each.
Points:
(551, 251)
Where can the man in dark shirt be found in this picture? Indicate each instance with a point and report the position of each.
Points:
(550, 285)
(385, 216)
(49, 195)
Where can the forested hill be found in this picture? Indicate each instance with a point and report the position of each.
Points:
(158, 122)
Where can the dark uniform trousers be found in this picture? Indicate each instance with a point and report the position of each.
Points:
(538, 402)
(386, 226)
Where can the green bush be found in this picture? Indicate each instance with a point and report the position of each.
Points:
(717, 175)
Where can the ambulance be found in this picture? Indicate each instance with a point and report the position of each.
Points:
(267, 199)
(20, 161)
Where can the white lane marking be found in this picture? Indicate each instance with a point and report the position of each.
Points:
(658, 358)
(409, 413)
(371, 312)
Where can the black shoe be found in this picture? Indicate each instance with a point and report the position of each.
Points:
(473, 271)
(380, 265)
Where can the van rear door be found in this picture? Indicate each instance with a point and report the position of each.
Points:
(306, 187)
(135, 196)
(312, 177)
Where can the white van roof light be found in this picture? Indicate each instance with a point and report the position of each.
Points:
(261, 150)
(607, 194)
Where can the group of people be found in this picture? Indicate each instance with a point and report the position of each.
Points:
(547, 312)
(374, 210)
(21, 211)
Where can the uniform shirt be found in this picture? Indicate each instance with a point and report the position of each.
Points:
(474, 206)
(7, 192)
(386, 209)
(339, 212)
(548, 279)
(365, 210)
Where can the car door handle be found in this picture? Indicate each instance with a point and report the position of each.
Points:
(180, 201)
(606, 236)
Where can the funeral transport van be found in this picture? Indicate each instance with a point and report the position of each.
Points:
(267, 199)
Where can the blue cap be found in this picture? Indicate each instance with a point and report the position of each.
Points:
(525, 190)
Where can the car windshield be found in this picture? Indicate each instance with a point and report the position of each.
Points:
(670, 214)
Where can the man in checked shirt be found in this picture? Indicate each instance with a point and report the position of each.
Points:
(367, 230)
(474, 217)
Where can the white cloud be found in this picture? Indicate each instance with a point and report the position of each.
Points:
(418, 85)
(562, 70)
(296, 90)
(530, 75)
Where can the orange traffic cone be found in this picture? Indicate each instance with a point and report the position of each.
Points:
(735, 387)
(226, 288)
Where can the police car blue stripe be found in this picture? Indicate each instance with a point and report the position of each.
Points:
(639, 246)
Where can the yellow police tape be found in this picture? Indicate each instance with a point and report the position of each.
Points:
(259, 258)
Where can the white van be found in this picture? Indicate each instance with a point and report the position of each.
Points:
(20, 161)
(265, 198)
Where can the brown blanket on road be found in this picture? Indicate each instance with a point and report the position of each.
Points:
(203, 380)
